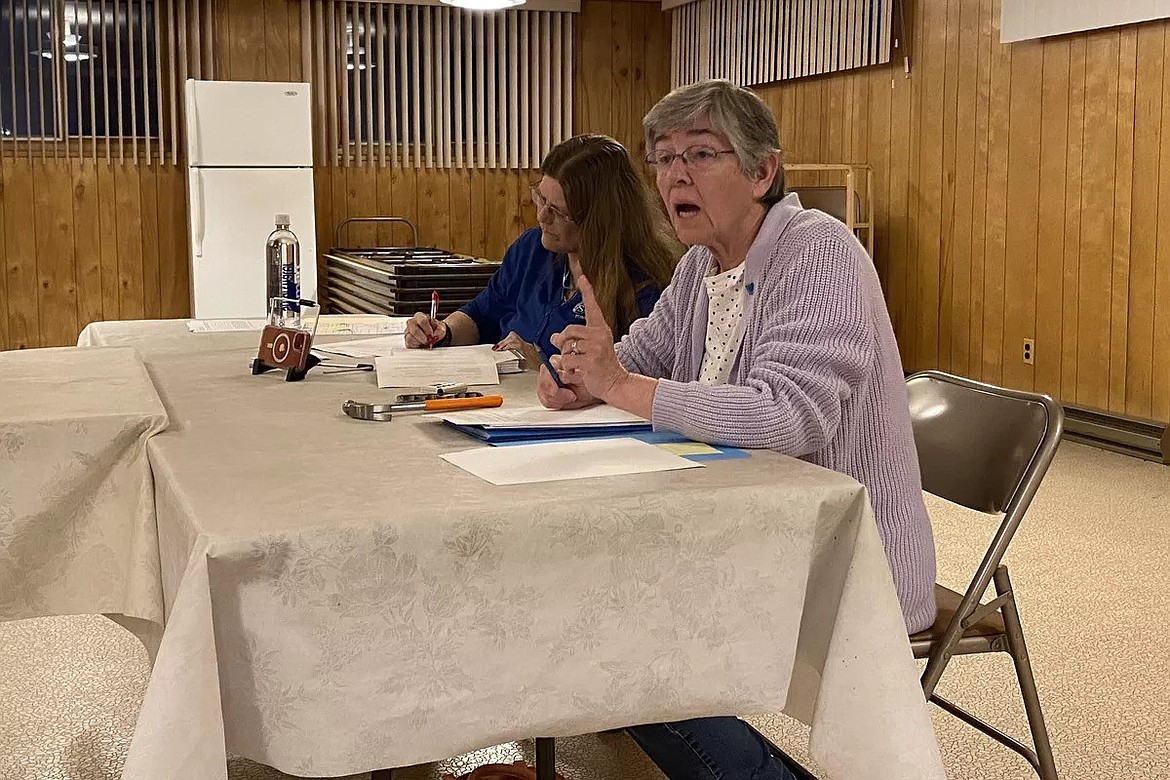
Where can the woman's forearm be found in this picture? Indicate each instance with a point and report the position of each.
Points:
(463, 329)
(633, 393)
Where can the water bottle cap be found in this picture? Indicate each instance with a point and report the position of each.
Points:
(282, 220)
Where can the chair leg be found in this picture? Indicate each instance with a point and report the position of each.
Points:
(1019, 653)
(546, 758)
(986, 728)
(936, 664)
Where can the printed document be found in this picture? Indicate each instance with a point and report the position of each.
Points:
(553, 461)
(426, 367)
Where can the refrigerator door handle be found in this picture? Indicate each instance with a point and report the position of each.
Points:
(196, 139)
(197, 210)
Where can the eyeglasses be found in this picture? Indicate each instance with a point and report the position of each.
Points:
(695, 158)
(542, 202)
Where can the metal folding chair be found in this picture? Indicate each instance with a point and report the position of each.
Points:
(986, 448)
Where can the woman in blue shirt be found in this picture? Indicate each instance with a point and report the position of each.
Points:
(596, 218)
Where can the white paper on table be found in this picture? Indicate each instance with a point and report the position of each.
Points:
(553, 461)
(363, 348)
(425, 367)
(360, 324)
(329, 324)
(539, 417)
(507, 361)
(225, 326)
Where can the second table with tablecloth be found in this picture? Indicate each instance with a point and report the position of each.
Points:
(77, 524)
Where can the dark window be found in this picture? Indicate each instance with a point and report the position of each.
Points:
(78, 69)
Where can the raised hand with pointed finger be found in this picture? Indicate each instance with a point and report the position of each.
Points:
(589, 366)
(587, 356)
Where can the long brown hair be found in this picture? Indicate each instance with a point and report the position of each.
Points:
(623, 234)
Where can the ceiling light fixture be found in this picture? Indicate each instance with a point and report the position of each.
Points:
(353, 53)
(72, 49)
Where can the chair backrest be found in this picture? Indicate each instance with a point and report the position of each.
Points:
(984, 447)
(830, 200)
(979, 445)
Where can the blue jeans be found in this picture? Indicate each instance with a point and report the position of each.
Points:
(709, 749)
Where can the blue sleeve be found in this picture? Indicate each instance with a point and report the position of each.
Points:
(647, 297)
(498, 299)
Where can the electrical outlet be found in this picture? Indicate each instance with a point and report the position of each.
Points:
(1029, 351)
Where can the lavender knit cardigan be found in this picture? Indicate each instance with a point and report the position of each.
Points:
(818, 376)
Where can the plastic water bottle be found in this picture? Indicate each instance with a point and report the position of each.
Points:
(284, 274)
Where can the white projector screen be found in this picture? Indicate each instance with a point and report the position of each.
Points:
(1024, 19)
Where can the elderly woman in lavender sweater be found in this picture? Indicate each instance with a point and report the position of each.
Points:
(773, 334)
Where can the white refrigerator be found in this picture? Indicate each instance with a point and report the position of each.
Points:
(249, 158)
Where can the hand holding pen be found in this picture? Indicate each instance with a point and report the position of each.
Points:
(552, 371)
(426, 332)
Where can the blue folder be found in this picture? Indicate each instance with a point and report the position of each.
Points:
(505, 437)
(529, 435)
(670, 437)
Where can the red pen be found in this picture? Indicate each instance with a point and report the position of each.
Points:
(434, 310)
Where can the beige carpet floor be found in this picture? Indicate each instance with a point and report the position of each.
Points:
(1091, 568)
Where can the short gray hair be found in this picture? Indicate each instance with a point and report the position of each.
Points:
(736, 113)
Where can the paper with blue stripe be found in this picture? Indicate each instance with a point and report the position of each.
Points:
(507, 437)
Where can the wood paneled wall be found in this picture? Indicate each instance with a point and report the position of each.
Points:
(621, 67)
(257, 40)
(1019, 193)
(1022, 191)
(81, 242)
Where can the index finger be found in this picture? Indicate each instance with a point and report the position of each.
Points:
(593, 313)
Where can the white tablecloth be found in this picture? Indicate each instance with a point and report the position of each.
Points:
(340, 600)
(77, 524)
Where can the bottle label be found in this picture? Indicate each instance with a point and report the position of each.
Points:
(290, 288)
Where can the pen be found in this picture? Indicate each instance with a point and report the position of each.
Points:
(548, 364)
(434, 309)
(341, 368)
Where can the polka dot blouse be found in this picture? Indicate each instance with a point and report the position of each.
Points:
(724, 312)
